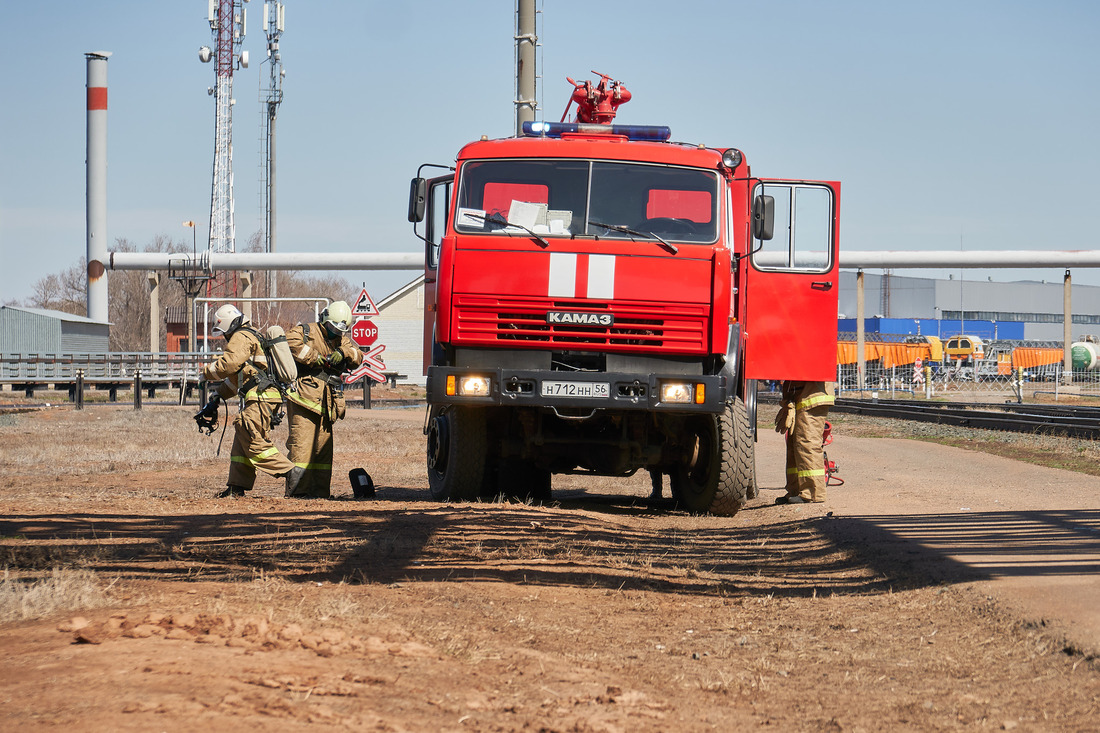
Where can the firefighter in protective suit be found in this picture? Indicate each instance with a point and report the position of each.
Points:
(802, 417)
(323, 351)
(239, 367)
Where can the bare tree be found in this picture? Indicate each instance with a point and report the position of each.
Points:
(65, 291)
(127, 296)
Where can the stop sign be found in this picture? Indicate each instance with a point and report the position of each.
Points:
(364, 332)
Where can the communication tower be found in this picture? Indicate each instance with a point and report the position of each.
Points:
(274, 23)
(227, 22)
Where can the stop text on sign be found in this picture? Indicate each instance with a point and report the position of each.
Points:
(364, 332)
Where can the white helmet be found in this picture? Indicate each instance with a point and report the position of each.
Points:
(228, 319)
(336, 318)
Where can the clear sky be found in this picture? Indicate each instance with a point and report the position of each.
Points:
(951, 124)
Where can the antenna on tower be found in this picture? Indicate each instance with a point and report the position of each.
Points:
(228, 21)
(274, 23)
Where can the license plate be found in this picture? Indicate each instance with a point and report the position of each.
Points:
(575, 389)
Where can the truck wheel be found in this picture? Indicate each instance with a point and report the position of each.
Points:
(456, 454)
(718, 474)
(745, 451)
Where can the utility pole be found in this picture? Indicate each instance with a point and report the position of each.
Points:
(526, 38)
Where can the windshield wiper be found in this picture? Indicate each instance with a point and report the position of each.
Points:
(644, 235)
(501, 220)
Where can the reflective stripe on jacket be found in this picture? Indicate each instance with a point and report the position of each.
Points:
(808, 395)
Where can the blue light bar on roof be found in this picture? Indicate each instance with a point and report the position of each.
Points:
(659, 133)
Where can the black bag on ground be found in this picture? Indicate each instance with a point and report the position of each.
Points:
(362, 485)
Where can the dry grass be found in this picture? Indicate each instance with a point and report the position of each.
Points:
(312, 604)
(61, 590)
(105, 440)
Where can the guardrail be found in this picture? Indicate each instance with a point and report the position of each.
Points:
(73, 373)
(136, 372)
(119, 365)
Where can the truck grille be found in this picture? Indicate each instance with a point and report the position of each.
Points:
(671, 328)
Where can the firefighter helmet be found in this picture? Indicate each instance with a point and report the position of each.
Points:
(228, 319)
(336, 318)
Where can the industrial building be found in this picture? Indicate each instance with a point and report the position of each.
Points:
(1026, 309)
(41, 332)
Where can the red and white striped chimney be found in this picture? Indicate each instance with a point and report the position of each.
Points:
(97, 185)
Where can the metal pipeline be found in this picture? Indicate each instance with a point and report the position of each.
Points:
(207, 261)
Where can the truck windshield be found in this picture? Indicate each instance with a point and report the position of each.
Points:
(563, 198)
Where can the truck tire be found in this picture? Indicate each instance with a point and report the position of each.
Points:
(718, 475)
(745, 451)
(456, 454)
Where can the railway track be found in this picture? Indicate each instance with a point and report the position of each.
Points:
(1075, 422)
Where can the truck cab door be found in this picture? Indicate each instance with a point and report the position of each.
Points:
(437, 212)
(792, 283)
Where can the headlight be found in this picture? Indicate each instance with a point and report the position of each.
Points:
(676, 392)
(473, 386)
(684, 392)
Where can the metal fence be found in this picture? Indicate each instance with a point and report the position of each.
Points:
(962, 384)
(42, 368)
(135, 372)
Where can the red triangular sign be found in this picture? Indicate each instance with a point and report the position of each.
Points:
(364, 306)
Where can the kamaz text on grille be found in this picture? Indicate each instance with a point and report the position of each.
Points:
(580, 319)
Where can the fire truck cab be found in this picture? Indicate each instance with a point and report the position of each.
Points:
(601, 300)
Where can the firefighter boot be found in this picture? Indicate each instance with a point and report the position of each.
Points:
(293, 478)
(232, 491)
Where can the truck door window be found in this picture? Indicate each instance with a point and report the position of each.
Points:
(803, 231)
(438, 197)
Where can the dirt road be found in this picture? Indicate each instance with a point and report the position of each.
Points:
(937, 589)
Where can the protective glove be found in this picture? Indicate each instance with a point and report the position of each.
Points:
(784, 419)
(334, 359)
(207, 417)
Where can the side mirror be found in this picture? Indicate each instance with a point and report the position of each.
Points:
(418, 193)
(763, 217)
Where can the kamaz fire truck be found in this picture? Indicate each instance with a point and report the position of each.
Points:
(600, 300)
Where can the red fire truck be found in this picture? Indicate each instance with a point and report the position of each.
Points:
(600, 300)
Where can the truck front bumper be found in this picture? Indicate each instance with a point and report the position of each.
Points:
(577, 390)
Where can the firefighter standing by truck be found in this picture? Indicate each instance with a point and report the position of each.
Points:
(324, 351)
(242, 367)
(805, 405)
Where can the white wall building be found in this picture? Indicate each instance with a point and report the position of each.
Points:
(400, 324)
